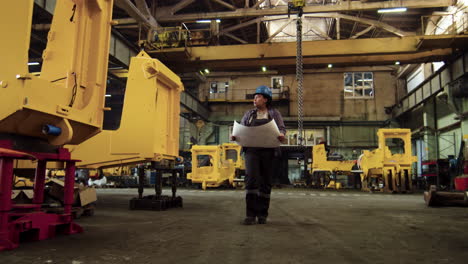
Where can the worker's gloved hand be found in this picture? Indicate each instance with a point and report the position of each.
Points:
(281, 137)
(233, 138)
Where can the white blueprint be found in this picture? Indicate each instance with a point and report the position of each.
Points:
(264, 136)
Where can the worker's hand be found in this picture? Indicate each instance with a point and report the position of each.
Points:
(281, 137)
(233, 138)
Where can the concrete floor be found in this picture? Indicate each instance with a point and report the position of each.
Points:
(305, 226)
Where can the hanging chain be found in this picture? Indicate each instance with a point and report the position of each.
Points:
(299, 78)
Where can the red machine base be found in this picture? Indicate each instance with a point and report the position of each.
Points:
(36, 226)
(27, 222)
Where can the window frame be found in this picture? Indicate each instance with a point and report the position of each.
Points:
(366, 85)
(275, 80)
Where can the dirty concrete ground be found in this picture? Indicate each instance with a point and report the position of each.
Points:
(305, 226)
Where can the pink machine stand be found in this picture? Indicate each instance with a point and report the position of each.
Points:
(28, 221)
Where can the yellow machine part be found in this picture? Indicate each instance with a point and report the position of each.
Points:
(298, 3)
(214, 173)
(171, 37)
(149, 128)
(69, 94)
(239, 162)
(320, 162)
(334, 185)
(22, 182)
(386, 171)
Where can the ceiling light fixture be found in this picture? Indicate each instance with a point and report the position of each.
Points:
(264, 69)
(392, 10)
(208, 21)
(330, 65)
(33, 63)
(206, 71)
(397, 63)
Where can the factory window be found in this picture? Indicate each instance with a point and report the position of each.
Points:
(219, 90)
(213, 87)
(276, 82)
(358, 85)
(219, 87)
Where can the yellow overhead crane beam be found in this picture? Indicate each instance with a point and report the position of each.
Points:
(350, 51)
(349, 47)
(356, 60)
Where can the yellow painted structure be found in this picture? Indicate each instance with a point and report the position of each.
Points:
(170, 37)
(385, 171)
(69, 94)
(298, 3)
(324, 48)
(149, 128)
(212, 167)
(22, 182)
(232, 149)
(320, 164)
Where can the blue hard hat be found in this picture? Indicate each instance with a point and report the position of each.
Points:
(264, 90)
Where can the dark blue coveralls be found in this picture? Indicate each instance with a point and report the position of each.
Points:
(259, 167)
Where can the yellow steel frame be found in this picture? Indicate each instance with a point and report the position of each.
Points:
(70, 91)
(239, 163)
(219, 171)
(321, 164)
(383, 167)
(149, 128)
(323, 48)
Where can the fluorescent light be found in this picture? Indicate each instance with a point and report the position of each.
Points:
(207, 71)
(208, 21)
(397, 63)
(264, 69)
(108, 95)
(33, 63)
(330, 65)
(392, 10)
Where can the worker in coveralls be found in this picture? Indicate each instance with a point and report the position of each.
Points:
(259, 161)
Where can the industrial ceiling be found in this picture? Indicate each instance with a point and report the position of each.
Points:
(233, 35)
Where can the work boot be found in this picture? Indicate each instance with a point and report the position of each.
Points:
(249, 221)
(262, 220)
(251, 205)
(263, 204)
